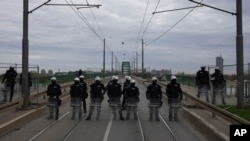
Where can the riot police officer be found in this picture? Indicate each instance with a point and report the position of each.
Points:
(132, 97)
(114, 94)
(54, 91)
(202, 82)
(174, 94)
(218, 81)
(154, 95)
(125, 86)
(97, 91)
(84, 91)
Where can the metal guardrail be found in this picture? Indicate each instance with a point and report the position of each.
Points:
(234, 119)
(214, 109)
(18, 103)
(218, 111)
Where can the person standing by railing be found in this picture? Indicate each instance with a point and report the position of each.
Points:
(9, 80)
(218, 81)
(202, 82)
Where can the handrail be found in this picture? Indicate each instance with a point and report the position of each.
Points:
(215, 110)
(16, 103)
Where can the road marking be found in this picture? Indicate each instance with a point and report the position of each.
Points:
(140, 125)
(105, 138)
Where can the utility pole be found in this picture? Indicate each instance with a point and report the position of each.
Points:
(112, 68)
(25, 54)
(142, 65)
(136, 62)
(239, 56)
(239, 50)
(25, 44)
(103, 73)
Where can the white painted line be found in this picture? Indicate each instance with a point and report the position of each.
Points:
(140, 125)
(105, 138)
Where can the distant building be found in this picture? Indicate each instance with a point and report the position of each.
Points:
(220, 63)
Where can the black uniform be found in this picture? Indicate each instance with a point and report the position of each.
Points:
(154, 94)
(132, 97)
(174, 94)
(97, 90)
(218, 81)
(85, 93)
(202, 81)
(9, 79)
(114, 89)
(125, 86)
(154, 91)
(54, 91)
(132, 91)
(76, 90)
(114, 94)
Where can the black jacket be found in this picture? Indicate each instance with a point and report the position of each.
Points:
(54, 90)
(174, 90)
(114, 90)
(10, 77)
(76, 90)
(132, 91)
(154, 91)
(97, 90)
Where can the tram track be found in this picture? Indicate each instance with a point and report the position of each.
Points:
(162, 120)
(48, 127)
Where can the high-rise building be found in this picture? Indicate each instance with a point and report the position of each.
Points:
(219, 63)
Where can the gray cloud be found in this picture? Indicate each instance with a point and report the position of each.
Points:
(60, 40)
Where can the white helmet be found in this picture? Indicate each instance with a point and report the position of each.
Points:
(97, 78)
(53, 79)
(81, 76)
(154, 79)
(113, 77)
(129, 78)
(116, 78)
(77, 79)
(173, 77)
(132, 81)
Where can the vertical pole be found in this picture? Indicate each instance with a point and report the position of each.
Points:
(25, 54)
(103, 73)
(142, 59)
(239, 56)
(112, 68)
(136, 62)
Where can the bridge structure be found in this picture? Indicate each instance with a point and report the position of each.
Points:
(198, 120)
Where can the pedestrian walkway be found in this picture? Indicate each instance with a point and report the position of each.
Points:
(214, 127)
(230, 100)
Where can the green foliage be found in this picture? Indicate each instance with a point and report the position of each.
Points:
(243, 113)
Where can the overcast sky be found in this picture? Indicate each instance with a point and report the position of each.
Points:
(59, 39)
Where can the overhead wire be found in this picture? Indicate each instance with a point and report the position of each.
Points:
(148, 23)
(150, 19)
(142, 22)
(157, 38)
(96, 21)
(80, 15)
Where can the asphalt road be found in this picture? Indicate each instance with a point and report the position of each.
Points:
(107, 128)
